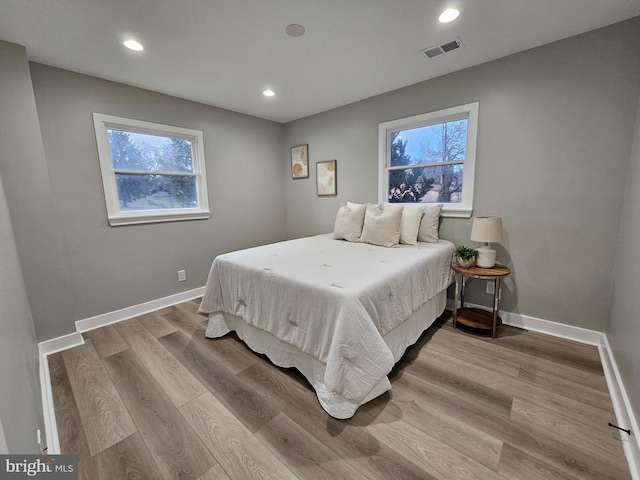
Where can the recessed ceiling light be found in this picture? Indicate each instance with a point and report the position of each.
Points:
(449, 15)
(294, 30)
(268, 92)
(132, 44)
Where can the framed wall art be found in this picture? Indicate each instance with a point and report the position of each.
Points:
(326, 178)
(300, 161)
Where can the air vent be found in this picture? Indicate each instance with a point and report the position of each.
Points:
(433, 52)
(444, 48)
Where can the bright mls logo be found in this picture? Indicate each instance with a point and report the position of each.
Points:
(51, 467)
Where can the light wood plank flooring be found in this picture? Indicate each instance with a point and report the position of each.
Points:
(152, 398)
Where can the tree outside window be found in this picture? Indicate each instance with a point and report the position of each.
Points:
(136, 156)
(150, 172)
(436, 172)
(427, 157)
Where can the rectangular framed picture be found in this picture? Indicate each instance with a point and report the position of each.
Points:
(300, 161)
(326, 178)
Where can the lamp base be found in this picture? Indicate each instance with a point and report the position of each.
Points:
(486, 257)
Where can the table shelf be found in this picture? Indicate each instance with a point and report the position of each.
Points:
(476, 317)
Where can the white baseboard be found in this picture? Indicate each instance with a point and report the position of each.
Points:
(117, 316)
(570, 332)
(4, 449)
(622, 407)
(48, 411)
(60, 343)
(74, 339)
(47, 348)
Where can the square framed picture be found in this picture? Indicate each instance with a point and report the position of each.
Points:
(300, 161)
(326, 178)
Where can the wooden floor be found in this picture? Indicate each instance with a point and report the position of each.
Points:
(152, 398)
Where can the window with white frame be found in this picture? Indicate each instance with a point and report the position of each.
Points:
(430, 158)
(150, 172)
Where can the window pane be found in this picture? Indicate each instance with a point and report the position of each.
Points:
(153, 153)
(153, 192)
(441, 184)
(442, 142)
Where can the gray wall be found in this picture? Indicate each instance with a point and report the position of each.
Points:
(20, 411)
(554, 140)
(115, 267)
(623, 329)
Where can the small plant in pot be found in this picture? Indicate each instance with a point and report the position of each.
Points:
(465, 256)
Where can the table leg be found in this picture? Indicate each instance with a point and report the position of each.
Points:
(464, 285)
(496, 305)
(455, 300)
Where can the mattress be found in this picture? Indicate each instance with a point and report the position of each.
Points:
(340, 312)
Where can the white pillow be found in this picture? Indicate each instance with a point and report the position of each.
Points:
(411, 217)
(382, 226)
(429, 224)
(348, 224)
(354, 205)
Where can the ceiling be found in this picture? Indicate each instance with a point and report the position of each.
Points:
(226, 52)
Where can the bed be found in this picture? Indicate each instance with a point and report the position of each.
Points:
(342, 313)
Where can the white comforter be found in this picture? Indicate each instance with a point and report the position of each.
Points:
(332, 299)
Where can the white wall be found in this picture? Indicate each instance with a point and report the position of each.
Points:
(554, 139)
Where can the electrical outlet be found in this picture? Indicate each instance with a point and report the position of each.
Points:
(182, 275)
(491, 287)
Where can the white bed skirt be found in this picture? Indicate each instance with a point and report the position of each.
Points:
(286, 355)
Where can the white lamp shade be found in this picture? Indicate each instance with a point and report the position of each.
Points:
(486, 229)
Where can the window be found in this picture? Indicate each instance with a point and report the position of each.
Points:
(150, 172)
(426, 158)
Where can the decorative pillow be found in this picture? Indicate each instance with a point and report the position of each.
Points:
(411, 217)
(382, 226)
(348, 224)
(354, 205)
(429, 224)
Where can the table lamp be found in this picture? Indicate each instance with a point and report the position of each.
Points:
(486, 230)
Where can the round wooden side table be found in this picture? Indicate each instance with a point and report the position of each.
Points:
(476, 317)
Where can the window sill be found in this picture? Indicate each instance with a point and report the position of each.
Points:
(456, 212)
(157, 217)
